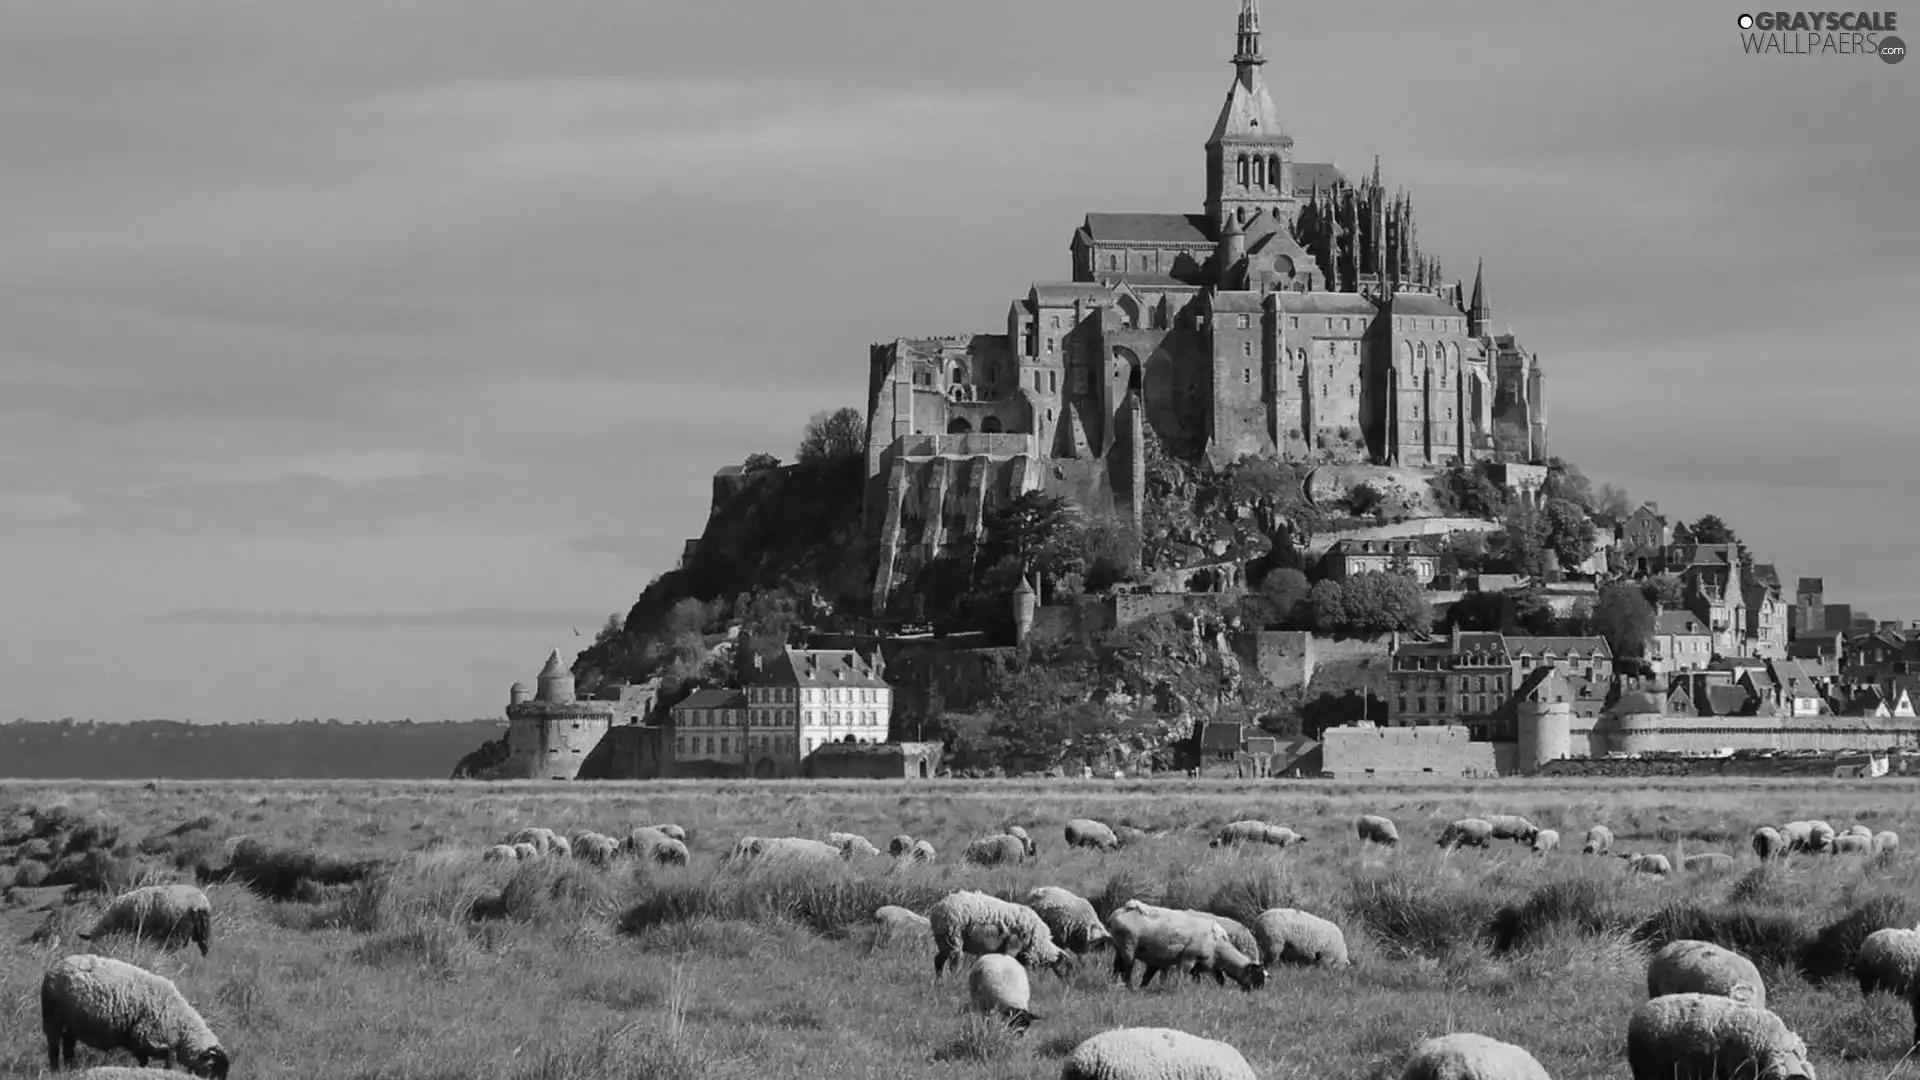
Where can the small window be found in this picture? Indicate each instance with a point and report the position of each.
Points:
(1246, 376)
(1243, 323)
(1246, 348)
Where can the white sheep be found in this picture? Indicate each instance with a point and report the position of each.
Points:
(786, 848)
(1819, 836)
(1256, 832)
(1465, 1055)
(1654, 864)
(923, 851)
(1599, 841)
(1466, 832)
(1545, 840)
(1687, 966)
(851, 844)
(654, 845)
(1861, 831)
(164, 913)
(899, 925)
(524, 851)
(1374, 829)
(1798, 835)
(595, 848)
(1886, 840)
(998, 848)
(541, 839)
(1768, 843)
(1707, 862)
(1709, 1035)
(1086, 832)
(1032, 848)
(1851, 844)
(1512, 827)
(559, 847)
(1143, 1053)
(900, 845)
(997, 986)
(500, 853)
(976, 923)
(1162, 938)
(671, 831)
(112, 1005)
(1292, 936)
(1128, 835)
(1070, 918)
(1238, 936)
(1889, 959)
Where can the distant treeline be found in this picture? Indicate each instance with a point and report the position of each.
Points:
(301, 750)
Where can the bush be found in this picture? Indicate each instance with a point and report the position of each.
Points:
(1771, 937)
(1830, 952)
(286, 873)
(1586, 904)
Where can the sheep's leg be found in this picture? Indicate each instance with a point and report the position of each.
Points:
(1123, 967)
(1148, 977)
(69, 1045)
(940, 959)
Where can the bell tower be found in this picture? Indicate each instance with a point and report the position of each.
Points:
(1249, 156)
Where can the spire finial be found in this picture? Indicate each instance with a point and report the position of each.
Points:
(1247, 41)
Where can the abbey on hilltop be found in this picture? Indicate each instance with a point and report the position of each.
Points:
(1295, 316)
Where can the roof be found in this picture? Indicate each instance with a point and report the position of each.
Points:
(1064, 293)
(1412, 303)
(1134, 277)
(1235, 300)
(554, 670)
(1308, 175)
(1248, 113)
(1220, 737)
(1546, 685)
(1326, 303)
(1716, 555)
(1640, 702)
(1813, 584)
(1500, 582)
(1678, 622)
(1725, 699)
(1191, 230)
(1558, 646)
(820, 667)
(722, 698)
(1412, 545)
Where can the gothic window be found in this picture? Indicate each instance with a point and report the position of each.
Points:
(1036, 379)
(1273, 174)
(1243, 174)
(1053, 382)
(1406, 354)
(1420, 351)
(1143, 264)
(1113, 262)
(1049, 416)
(1259, 172)
(959, 376)
(1049, 353)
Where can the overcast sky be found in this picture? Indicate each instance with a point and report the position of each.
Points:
(353, 354)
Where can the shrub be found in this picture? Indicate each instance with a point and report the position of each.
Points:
(1771, 937)
(1410, 912)
(287, 873)
(1586, 904)
(1830, 952)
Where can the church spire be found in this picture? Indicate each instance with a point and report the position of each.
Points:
(1246, 52)
(1479, 315)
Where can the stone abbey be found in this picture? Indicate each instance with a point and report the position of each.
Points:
(1295, 316)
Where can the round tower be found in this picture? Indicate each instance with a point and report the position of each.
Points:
(1025, 602)
(556, 682)
(519, 693)
(1233, 246)
(1545, 733)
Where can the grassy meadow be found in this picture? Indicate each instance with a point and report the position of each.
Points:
(373, 944)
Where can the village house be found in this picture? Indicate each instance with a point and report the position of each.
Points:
(1681, 642)
(1416, 556)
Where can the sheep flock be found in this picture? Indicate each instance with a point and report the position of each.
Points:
(1020, 954)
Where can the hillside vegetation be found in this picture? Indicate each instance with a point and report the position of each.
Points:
(358, 934)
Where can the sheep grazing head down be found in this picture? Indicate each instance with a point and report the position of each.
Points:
(211, 1062)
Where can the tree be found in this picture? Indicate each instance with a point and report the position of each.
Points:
(1469, 491)
(1282, 601)
(1464, 552)
(1711, 530)
(759, 463)
(1568, 532)
(1370, 602)
(1525, 536)
(1623, 616)
(1663, 591)
(1478, 611)
(1611, 503)
(1027, 523)
(1533, 615)
(1365, 499)
(1566, 481)
(832, 437)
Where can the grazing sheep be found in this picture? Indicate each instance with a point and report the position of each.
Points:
(1466, 832)
(1819, 836)
(112, 1005)
(559, 847)
(1545, 840)
(1707, 862)
(1851, 844)
(524, 851)
(1070, 918)
(1256, 832)
(1798, 835)
(998, 848)
(1861, 831)
(1237, 934)
(644, 841)
(1374, 829)
(541, 839)
(1657, 865)
(900, 845)
(1464, 1055)
(1886, 840)
(595, 848)
(164, 913)
(973, 922)
(899, 925)
(1512, 827)
(785, 848)
(1684, 1036)
(1292, 936)
(1768, 843)
(1143, 1053)
(1889, 959)
(1032, 848)
(1599, 841)
(997, 986)
(851, 844)
(1701, 967)
(1086, 832)
(1161, 938)
(1128, 835)
(500, 853)
(922, 851)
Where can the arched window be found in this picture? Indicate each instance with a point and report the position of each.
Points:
(1259, 172)
(959, 376)
(959, 426)
(1243, 170)
(990, 426)
(1049, 416)
(1406, 354)
(1053, 382)
(1273, 176)
(1420, 351)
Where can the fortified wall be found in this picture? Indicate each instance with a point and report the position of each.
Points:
(1367, 751)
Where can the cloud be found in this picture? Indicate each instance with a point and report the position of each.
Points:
(509, 618)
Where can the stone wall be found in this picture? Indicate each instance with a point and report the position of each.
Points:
(1706, 734)
(1357, 753)
(631, 752)
(551, 741)
(1400, 530)
(884, 761)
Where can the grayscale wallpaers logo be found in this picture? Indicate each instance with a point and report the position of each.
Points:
(1824, 33)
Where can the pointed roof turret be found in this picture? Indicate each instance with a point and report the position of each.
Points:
(553, 667)
(1248, 112)
(1479, 314)
(1247, 42)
